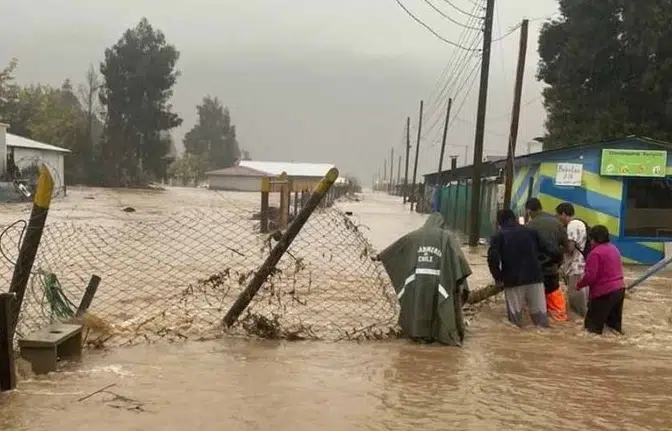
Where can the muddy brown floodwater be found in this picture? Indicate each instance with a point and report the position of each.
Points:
(502, 379)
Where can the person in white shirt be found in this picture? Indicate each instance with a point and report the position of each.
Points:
(574, 262)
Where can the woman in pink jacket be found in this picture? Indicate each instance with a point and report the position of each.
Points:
(604, 276)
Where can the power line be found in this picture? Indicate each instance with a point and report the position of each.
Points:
(443, 14)
(463, 11)
(431, 30)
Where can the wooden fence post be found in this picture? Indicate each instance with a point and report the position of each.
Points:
(280, 248)
(7, 371)
(265, 189)
(31, 242)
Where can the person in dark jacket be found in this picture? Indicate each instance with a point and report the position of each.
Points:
(552, 232)
(513, 260)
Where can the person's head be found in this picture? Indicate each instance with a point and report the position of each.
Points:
(598, 235)
(505, 217)
(565, 212)
(533, 207)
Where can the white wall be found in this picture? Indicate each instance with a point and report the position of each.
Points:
(235, 183)
(24, 157)
(3, 148)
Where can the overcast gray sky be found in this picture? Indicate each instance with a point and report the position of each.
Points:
(312, 81)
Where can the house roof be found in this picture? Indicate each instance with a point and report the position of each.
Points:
(533, 157)
(21, 142)
(293, 169)
(238, 171)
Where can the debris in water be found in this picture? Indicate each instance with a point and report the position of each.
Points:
(128, 210)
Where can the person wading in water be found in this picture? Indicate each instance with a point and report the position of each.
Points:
(551, 231)
(513, 260)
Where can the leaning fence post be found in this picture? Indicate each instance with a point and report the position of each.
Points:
(7, 371)
(89, 293)
(31, 241)
(280, 248)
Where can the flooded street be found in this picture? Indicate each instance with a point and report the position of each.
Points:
(502, 379)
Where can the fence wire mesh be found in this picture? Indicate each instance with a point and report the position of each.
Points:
(172, 262)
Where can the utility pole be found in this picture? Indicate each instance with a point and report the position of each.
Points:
(474, 231)
(515, 117)
(389, 190)
(417, 153)
(408, 149)
(384, 170)
(443, 141)
(399, 171)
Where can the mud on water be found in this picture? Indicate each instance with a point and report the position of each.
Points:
(503, 378)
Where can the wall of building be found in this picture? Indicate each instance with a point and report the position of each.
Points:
(599, 200)
(235, 183)
(25, 157)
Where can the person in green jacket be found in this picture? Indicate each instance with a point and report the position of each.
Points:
(429, 273)
(552, 232)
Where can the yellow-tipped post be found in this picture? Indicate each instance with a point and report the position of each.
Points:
(280, 248)
(31, 242)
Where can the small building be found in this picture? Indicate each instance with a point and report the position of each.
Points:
(27, 153)
(236, 178)
(625, 185)
(247, 175)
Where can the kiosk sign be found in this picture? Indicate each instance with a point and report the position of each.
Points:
(633, 163)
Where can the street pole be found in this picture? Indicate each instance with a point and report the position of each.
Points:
(515, 117)
(443, 141)
(474, 231)
(389, 189)
(408, 150)
(417, 153)
(399, 172)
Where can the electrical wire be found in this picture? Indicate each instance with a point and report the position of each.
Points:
(462, 10)
(443, 14)
(431, 30)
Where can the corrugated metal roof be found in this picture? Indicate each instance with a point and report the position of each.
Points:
(292, 169)
(21, 142)
(238, 171)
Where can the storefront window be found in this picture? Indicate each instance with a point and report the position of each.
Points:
(648, 208)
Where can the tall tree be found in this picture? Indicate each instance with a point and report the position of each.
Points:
(214, 137)
(608, 68)
(139, 74)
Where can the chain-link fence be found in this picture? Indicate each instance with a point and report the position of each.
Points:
(172, 265)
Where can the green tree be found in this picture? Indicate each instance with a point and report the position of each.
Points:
(189, 168)
(139, 74)
(608, 68)
(8, 90)
(214, 137)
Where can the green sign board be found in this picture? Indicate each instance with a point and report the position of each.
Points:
(633, 163)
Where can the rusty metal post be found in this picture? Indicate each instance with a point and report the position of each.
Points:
(7, 370)
(31, 242)
(280, 248)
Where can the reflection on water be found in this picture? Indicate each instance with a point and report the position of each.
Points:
(502, 379)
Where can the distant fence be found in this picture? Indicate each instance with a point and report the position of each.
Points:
(175, 276)
(454, 202)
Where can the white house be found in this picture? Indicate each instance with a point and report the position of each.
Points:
(236, 178)
(248, 174)
(27, 152)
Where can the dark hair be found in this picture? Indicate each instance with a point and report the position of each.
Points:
(599, 234)
(504, 216)
(533, 204)
(565, 208)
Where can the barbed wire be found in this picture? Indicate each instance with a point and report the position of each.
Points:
(174, 274)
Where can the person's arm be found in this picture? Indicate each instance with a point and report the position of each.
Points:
(590, 272)
(495, 259)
